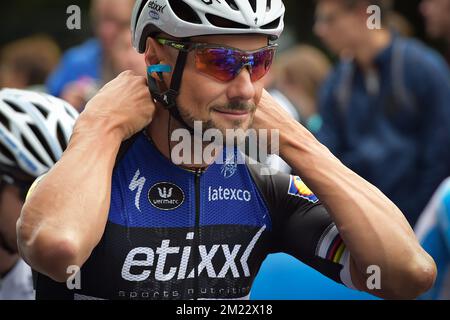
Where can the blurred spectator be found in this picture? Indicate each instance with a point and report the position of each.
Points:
(433, 232)
(125, 57)
(34, 131)
(437, 20)
(386, 106)
(299, 74)
(28, 62)
(85, 68)
(399, 24)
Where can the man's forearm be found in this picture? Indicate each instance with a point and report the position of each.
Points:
(66, 214)
(373, 228)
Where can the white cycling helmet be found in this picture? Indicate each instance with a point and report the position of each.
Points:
(34, 131)
(189, 18)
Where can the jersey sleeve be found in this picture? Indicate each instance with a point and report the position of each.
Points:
(302, 226)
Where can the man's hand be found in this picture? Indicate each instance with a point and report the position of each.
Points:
(271, 116)
(124, 105)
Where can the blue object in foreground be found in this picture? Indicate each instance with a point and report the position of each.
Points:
(283, 277)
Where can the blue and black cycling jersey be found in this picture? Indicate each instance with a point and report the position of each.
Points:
(179, 234)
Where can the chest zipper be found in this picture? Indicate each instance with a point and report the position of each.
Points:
(198, 175)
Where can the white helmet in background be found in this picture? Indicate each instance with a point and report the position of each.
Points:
(189, 18)
(35, 129)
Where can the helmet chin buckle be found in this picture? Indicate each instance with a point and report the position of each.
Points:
(169, 98)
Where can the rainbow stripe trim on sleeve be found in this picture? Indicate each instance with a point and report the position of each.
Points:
(331, 247)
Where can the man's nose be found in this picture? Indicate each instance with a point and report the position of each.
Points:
(241, 88)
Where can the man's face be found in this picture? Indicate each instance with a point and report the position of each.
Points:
(337, 26)
(437, 17)
(110, 18)
(219, 105)
(10, 208)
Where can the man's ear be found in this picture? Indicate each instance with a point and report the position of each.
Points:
(153, 52)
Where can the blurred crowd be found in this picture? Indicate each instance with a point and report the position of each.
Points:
(382, 107)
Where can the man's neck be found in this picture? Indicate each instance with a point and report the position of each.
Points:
(160, 135)
(375, 42)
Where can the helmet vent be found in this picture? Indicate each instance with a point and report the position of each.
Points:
(253, 4)
(13, 106)
(28, 146)
(184, 11)
(269, 5)
(41, 110)
(232, 4)
(5, 152)
(42, 140)
(4, 121)
(272, 25)
(60, 136)
(224, 23)
(70, 112)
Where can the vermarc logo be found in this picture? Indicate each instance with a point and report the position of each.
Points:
(163, 193)
(166, 196)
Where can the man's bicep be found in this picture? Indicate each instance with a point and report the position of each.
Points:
(302, 226)
(313, 238)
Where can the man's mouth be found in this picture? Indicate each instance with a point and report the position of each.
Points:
(233, 112)
(233, 115)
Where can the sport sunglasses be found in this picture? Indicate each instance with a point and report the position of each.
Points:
(225, 63)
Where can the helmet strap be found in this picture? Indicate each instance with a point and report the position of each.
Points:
(168, 98)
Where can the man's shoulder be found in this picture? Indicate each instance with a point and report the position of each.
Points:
(422, 57)
(416, 46)
(426, 73)
(276, 185)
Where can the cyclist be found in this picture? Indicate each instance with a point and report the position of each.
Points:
(141, 227)
(34, 130)
(433, 232)
(437, 21)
